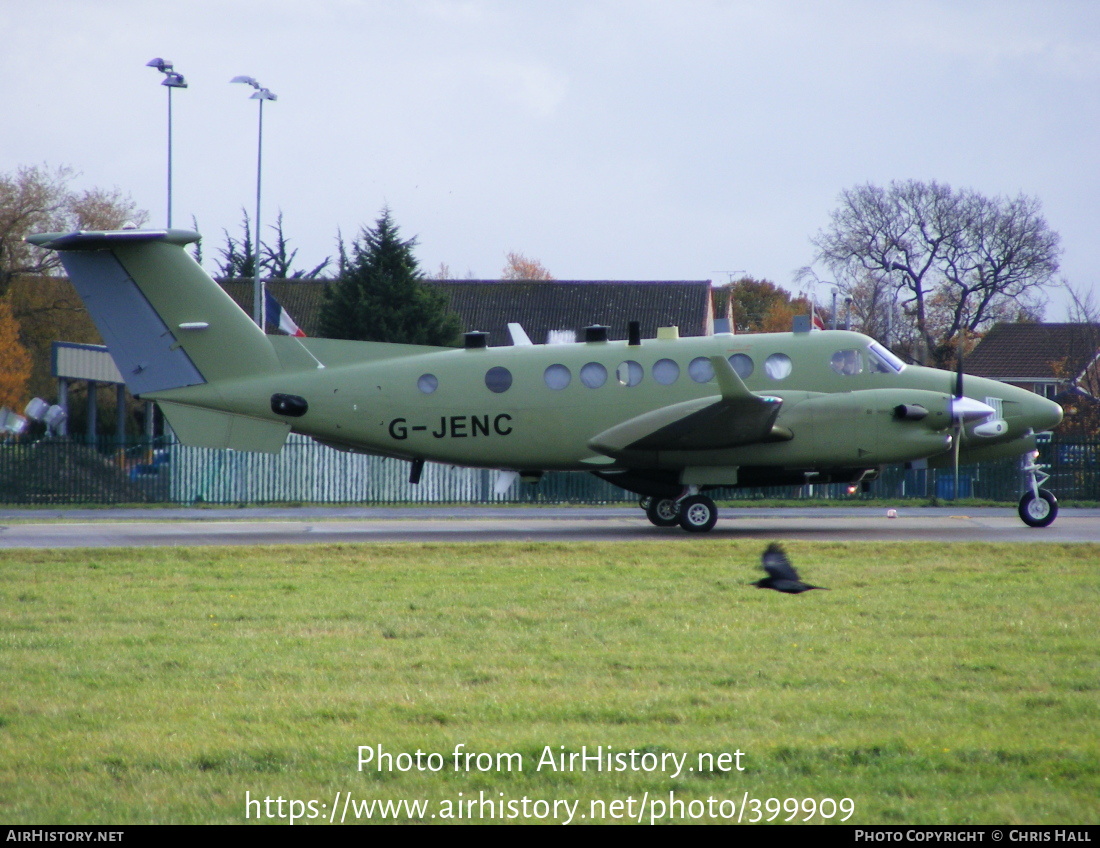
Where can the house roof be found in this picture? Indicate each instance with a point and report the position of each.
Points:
(541, 307)
(489, 305)
(1035, 351)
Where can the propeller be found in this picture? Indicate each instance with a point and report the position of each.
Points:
(963, 410)
(958, 419)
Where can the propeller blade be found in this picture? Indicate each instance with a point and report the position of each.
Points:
(957, 440)
(960, 416)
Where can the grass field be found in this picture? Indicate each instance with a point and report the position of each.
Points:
(932, 684)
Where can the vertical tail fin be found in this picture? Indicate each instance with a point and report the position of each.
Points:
(165, 321)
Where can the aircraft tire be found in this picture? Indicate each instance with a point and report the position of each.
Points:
(1038, 511)
(663, 512)
(698, 514)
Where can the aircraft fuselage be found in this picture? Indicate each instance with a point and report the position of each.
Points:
(541, 406)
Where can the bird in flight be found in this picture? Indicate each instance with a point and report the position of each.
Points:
(781, 574)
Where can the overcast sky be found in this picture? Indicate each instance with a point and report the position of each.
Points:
(609, 139)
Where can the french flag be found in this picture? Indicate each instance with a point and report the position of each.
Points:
(276, 316)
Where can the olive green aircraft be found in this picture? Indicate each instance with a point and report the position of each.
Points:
(666, 418)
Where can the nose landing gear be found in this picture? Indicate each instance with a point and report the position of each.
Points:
(1038, 507)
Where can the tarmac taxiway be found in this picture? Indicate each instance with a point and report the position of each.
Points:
(75, 528)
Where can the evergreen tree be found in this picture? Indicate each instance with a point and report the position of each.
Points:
(381, 295)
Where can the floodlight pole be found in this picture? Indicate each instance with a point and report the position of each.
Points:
(171, 80)
(260, 94)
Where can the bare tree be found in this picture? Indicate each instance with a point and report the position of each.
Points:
(1079, 366)
(1084, 310)
(36, 199)
(955, 261)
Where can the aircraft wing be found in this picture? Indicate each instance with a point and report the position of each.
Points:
(735, 417)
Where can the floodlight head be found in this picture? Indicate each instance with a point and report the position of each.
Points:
(12, 422)
(246, 80)
(162, 65)
(36, 409)
(54, 418)
(263, 94)
(174, 80)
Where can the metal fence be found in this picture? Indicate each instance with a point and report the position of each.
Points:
(65, 472)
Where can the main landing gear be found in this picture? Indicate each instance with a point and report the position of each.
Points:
(695, 513)
(1038, 507)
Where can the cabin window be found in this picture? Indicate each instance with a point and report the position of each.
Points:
(593, 375)
(629, 373)
(742, 364)
(427, 383)
(778, 366)
(498, 379)
(557, 376)
(847, 362)
(666, 372)
(700, 370)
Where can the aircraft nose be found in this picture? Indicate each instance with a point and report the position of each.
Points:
(1048, 415)
(1037, 413)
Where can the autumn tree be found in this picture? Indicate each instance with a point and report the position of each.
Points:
(760, 306)
(519, 267)
(36, 199)
(382, 296)
(957, 260)
(15, 362)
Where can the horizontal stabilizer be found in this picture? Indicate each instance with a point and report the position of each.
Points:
(207, 428)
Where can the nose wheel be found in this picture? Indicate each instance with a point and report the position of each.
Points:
(1038, 510)
(1038, 507)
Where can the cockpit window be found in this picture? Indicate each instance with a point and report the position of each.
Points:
(847, 362)
(882, 361)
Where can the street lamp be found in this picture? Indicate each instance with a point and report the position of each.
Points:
(171, 80)
(260, 94)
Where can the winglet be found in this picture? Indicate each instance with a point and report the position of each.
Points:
(729, 382)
